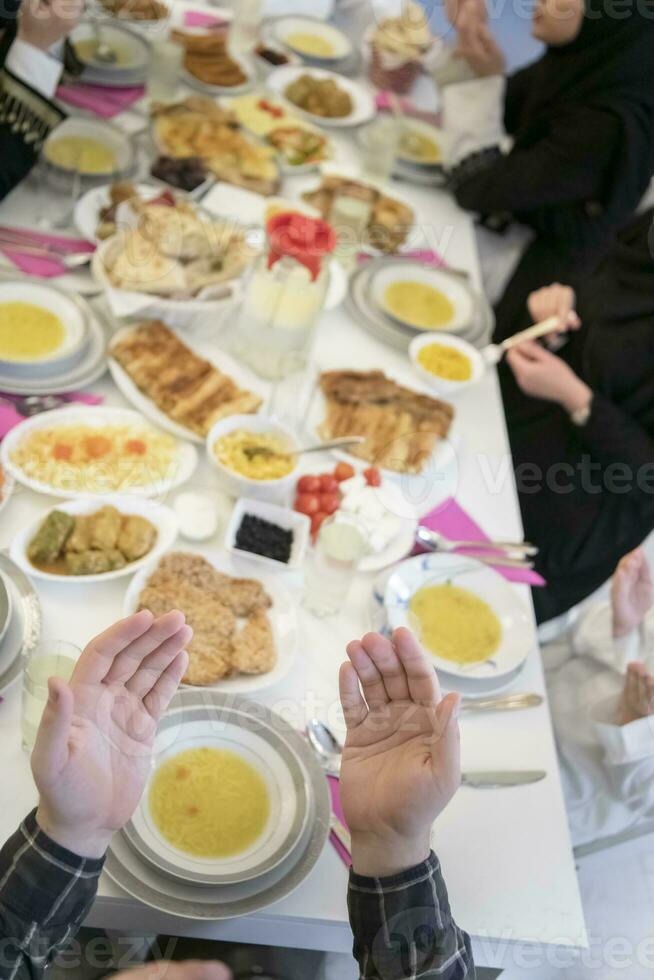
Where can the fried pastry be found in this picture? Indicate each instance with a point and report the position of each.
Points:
(389, 223)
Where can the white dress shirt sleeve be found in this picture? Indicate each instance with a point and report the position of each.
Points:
(622, 744)
(473, 117)
(593, 637)
(34, 67)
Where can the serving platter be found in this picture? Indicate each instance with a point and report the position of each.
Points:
(162, 517)
(363, 103)
(282, 614)
(189, 900)
(93, 416)
(285, 778)
(219, 358)
(451, 569)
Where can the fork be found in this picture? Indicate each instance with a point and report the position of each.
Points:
(433, 539)
(70, 260)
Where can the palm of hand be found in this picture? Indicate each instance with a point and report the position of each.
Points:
(389, 759)
(632, 595)
(110, 747)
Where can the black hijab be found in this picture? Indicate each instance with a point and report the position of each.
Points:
(610, 66)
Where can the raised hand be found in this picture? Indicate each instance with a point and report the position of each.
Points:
(400, 763)
(94, 745)
(632, 592)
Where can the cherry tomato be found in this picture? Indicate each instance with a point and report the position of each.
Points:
(373, 476)
(307, 503)
(316, 522)
(328, 483)
(343, 471)
(329, 502)
(308, 484)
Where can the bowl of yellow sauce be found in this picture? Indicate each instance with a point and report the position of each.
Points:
(96, 150)
(422, 298)
(42, 330)
(448, 364)
(227, 800)
(253, 456)
(311, 38)
(422, 145)
(471, 622)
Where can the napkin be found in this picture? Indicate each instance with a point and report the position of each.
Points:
(197, 18)
(100, 99)
(11, 417)
(46, 268)
(334, 791)
(425, 255)
(451, 520)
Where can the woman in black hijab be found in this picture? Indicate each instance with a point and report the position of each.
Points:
(581, 120)
(581, 424)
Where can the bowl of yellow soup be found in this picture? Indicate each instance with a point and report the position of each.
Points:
(312, 39)
(468, 618)
(227, 800)
(97, 150)
(42, 330)
(447, 364)
(233, 446)
(422, 298)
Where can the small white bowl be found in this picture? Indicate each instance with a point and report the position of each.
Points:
(162, 517)
(103, 132)
(284, 29)
(243, 486)
(284, 517)
(443, 385)
(448, 283)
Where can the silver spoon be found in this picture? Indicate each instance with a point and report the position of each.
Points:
(427, 540)
(326, 746)
(493, 353)
(252, 451)
(509, 702)
(102, 53)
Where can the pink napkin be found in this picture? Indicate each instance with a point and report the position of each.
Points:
(424, 255)
(452, 521)
(99, 99)
(383, 103)
(46, 268)
(10, 417)
(335, 794)
(196, 18)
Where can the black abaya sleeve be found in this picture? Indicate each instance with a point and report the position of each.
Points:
(568, 166)
(26, 118)
(613, 436)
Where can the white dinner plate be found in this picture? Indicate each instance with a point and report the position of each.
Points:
(183, 463)
(100, 131)
(221, 360)
(363, 103)
(287, 788)
(451, 285)
(24, 628)
(284, 28)
(282, 614)
(162, 517)
(450, 569)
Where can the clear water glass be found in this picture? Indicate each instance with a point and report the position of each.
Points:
(333, 563)
(51, 658)
(379, 144)
(164, 69)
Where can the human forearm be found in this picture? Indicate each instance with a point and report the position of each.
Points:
(403, 926)
(45, 894)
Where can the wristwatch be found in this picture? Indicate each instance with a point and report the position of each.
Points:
(580, 416)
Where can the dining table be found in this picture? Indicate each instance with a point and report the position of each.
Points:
(506, 853)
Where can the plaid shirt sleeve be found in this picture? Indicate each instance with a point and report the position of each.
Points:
(403, 927)
(45, 894)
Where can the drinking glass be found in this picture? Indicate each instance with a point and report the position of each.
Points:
(51, 658)
(349, 217)
(379, 144)
(163, 71)
(332, 564)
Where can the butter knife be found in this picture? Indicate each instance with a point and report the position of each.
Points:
(498, 780)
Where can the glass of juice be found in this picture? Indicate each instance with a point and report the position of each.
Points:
(332, 564)
(51, 658)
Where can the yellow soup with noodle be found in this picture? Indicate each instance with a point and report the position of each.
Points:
(209, 802)
(445, 362)
(455, 624)
(28, 332)
(311, 44)
(418, 304)
(81, 153)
